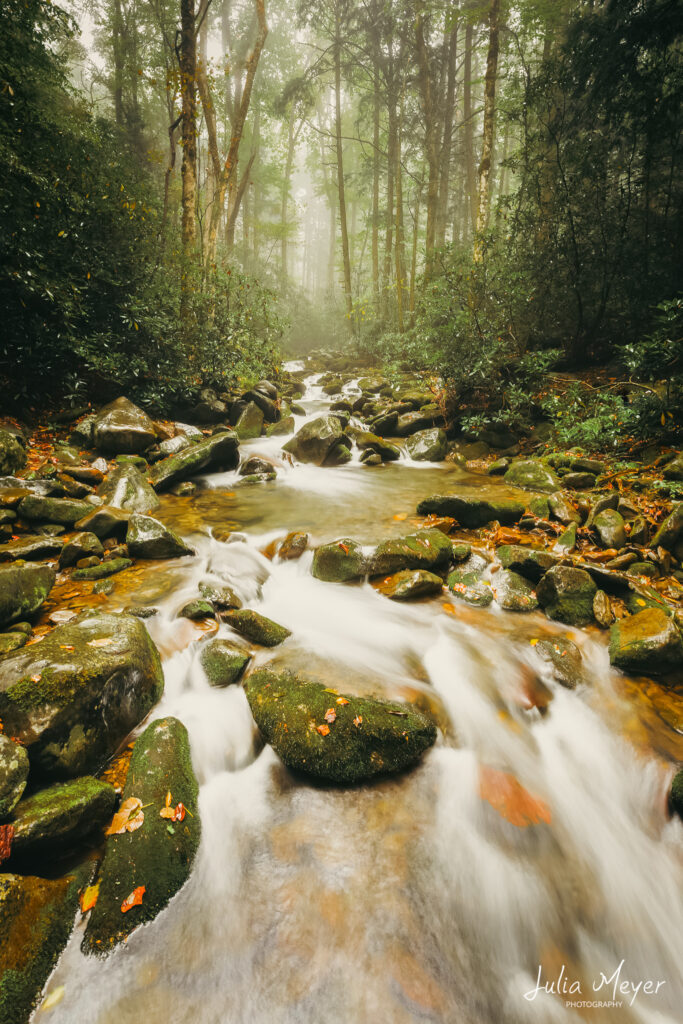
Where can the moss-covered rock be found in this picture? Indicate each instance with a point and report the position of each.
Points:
(426, 549)
(564, 659)
(529, 562)
(221, 597)
(36, 919)
(427, 445)
(250, 422)
(81, 545)
(223, 661)
(197, 609)
(23, 589)
(472, 512)
(65, 511)
(513, 593)
(566, 542)
(676, 794)
(609, 526)
(13, 774)
(12, 454)
(315, 440)
(31, 548)
(367, 441)
(122, 427)
(221, 451)
(148, 538)
(103, 570)
(671, 530)
(341, 738)
(340, 562)
(284, 426)
(293, 546)
(469, 585)
(73, 697)
(10, 642)
(60, 816)
(105, 522)
(602, 610)
(567, 594)
(648, 642)
(127, 488)
(533, 475)
(256, 627)
(562, 509)
(411, 584)
(159, 854)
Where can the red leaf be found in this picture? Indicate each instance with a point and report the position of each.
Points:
(134, 900)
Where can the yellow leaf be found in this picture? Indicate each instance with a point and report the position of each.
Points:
(53, 998)
(534, 641)
(89, 897)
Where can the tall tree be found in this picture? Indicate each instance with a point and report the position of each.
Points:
(484, 189)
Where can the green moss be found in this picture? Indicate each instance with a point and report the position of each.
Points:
(426, 549)
(529, 562)
(648, 642)
(223, 661)
(159, 854)
(365, 737)
(23, 588)
(102, 571)
(61, 815)
(567, 594)
(676, 794)
(470, 587)
(256, 628)
(342, 561)
(53, 510)
(473, 512)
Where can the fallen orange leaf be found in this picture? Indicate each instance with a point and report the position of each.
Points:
(342, 700)
(89, 897)
(128, 818)
(330, 715)
(357, 720)
(324, 730)
(134, 900)
(512, 801)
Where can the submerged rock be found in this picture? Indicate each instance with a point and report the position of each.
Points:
(340, 562)
(223, 661)
(567, 594)
(126, 487)
(473, 512)
(13, 774)
(293, 546)
(256, 627)
(73, 697)
(23, 589)
(60, 816)
(221, 451)
(533, 475)
(426, 549)
(565, 659)
(315, 440)
(148, 538)
(410, 584)
(341, 738)
(158, 855)
(647, 642)
(122, 427)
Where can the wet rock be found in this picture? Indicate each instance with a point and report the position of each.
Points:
(217, 452)
(367, 441)
(53, 510)
(410, 584)
(221, 597)
(256, 627)
(13, 775)
(31, 548)
(671, 530)
(567, 594)
(173, 445)
(123, 427)
(426, 549)
(73, 697)
(293, 546)
(286, 425)
(529, 562)
(148, 538)
(209, 408)
(340, 455)
(427, 445)
(105, 587)
(102, 570)
(513, 592)
(578, 481)
(674, 469)
(469, 585)
(60, 816)
(23, 588)
(105, 522)
(602, 610)
(82, 432)
(412, 422)
(562, 509)
(315, 440)
(340, 738)
(610, 528)
(676, 794)
(160, 854)
(12, 454)
(642, 569)
(81, 545)
(648, 642)
(250, 422)
(369, 458)
(533, 475)
(36, 919)
(566, 542)
(607, 501)
(127, 488)
(499, 467)
(565, 659)
(223, 661)
(461, 551)
(340, 562)
(472, 512)
(198, 609)
(266, 403)
(11, 642)
(256, 465)
(384, 425)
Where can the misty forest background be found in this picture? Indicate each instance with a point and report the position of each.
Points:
(487, 191)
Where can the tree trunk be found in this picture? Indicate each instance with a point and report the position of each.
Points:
(375, 188)
(446, 142)
(400, 243)
(188, 72)
(283, 200)
(413, 263)
(340, 165)
(484, 191)
(470, 174)
(389, 222)
(431, 136)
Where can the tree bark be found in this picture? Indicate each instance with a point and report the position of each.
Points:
(188, 71)
(283, 200)
(375, 188)
(400, 242)
(431, 136)
(470, 173)
(447, 139)
(340, 164)
(484, 190)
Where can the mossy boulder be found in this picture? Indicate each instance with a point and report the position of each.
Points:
(566, 542)
(221, 451)
(250, 422)
(12, 454)
(427, 445)
(426, 549)
(293, 546)
(367, 441)
(31, 548)
(567, 594)
(122, 427)
(14, 767)
(220, 596)
(469, 585)
(562, 509)
(73, 697)
(256, 627)
(563, 658)
(197, 609)
(332, 736)
(60, 816)
(23, 589)
(529, 562)
(103, 570)
(158, 855)
(410, 584)
(340, 562)
(81, 545)
(533, 475)
(284, 426)
(65, 511)
(223, 661)
(126, 487)
(148, 538)
(471, 511)
(513, 592)
(676, 794)
(648, 642)
(609, 525)
(36, 919)
(671, 530)
(10, 642)
(105, 522)
(315, 440)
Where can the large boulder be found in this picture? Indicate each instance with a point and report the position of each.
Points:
(148, 538)
(23, 589)
(562, 509)
(411, 422)
(427, 445)
(366, 441)
(473, 512)
(122, 427)
(567, 594)
(250, 422)
(105, 522)
(341, 738)
(256, 627)
(156, 857)
(60, 816)
(648, 642)
(31, 548)
(340, 561)
(533, 475)
(426, 549)
(13, 774)
(127, 488)
(267, 403)
(671, 530)
(315, 440)
(80, 545)
(609, 526)
(218, 452)
(223, 661)
(12, 454)
(64, 511)
(531, 563)
(72, 698)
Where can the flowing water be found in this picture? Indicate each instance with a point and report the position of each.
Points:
(410, 899)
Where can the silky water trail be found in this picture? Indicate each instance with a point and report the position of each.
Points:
(410, 898)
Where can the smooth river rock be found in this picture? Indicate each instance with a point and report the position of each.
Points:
(23, 589)
(648, 642)
(122, 427)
